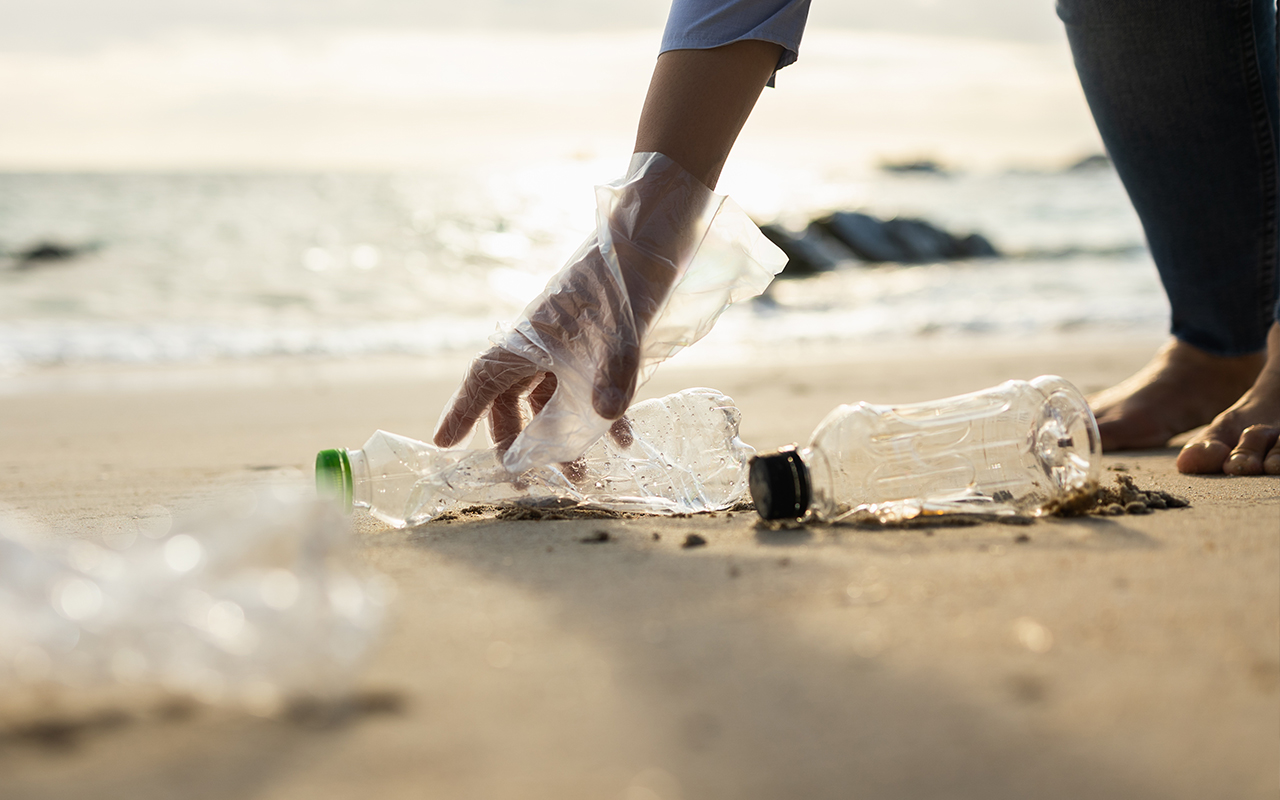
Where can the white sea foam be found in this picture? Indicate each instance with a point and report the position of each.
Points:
(191, 268)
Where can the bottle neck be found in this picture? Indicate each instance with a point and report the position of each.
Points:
(823, 503)
(361, 491)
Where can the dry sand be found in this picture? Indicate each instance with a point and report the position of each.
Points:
(1126, 657)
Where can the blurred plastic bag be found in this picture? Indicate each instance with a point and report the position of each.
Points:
(254, 603)
(667, 258)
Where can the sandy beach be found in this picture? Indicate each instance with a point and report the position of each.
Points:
(1121, 657)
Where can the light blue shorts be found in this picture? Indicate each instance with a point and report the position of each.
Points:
(704, 24)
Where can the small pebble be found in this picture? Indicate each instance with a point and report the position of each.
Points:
(1137, 507)
(693, 540)
(1022, 538)
(1156, 502)
(595, 538)
(1114, 510)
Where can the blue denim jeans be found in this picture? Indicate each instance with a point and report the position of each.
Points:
(1184, 94)
(1185, 97)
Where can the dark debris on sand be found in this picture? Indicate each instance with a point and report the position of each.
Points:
(470, 512)
(926, 522)
(1113, 501)
(1123, 498)
(1096, 500)
(535, 513)
(693, 540)
(64, 732)
(555, 510)
(59, 732)
(539, 511)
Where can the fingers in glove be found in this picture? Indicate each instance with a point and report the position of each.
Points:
(491, 374)
(616, 381)
(576, 470)
(506, 419)
(588, 308)
(621, 432)
(648, 278)
(541, 394)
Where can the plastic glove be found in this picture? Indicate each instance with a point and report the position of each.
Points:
(667, 258)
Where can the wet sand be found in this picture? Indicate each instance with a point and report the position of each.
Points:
(1106, 657)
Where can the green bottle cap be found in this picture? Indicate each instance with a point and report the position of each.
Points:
(333, 477)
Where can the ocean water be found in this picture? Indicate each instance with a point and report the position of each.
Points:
(352, 193)
(190, 267)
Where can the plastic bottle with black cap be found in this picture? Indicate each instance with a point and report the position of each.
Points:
(1013, 448)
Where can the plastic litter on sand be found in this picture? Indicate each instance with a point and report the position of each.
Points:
(255, 603)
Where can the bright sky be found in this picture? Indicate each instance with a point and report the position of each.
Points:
(195, 84)
(77, 23)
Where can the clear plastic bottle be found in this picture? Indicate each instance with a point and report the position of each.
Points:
(1009, 449)
(685, 456)
(254, 601)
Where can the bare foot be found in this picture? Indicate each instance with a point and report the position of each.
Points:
(1182, 388)
(1242, 439)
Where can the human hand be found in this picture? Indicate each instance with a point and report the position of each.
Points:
(582, 338)
(581, 348)
(588, 325)
(497, 383)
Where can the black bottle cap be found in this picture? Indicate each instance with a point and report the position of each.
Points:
(780, 484)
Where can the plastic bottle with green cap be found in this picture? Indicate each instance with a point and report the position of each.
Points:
(684, 456)
(1010, 449)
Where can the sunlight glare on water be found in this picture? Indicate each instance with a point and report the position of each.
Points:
(346, 193)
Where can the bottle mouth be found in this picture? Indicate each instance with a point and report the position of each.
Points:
(780, 486)
(333, 477)
(1066, 440)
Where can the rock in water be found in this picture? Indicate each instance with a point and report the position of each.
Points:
(45, 253)
(863, 234)
(920, 240)
(807, 253)
(901, 240)
(1097, 161)
(975, 245)
(922, 166)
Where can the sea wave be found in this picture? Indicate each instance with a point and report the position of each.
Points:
(192, 268)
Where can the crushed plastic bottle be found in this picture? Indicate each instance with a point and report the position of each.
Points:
(1010, 449)
(253, 603)
(685, 456)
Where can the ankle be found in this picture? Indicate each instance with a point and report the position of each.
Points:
(1233, 373)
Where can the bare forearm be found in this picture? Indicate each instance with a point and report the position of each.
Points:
(699, 100)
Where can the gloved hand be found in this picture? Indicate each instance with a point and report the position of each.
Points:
(581, 348)
(585, 324)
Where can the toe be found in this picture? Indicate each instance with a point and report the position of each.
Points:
(1203, 457)
(1255, 442)
(1271, 465)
